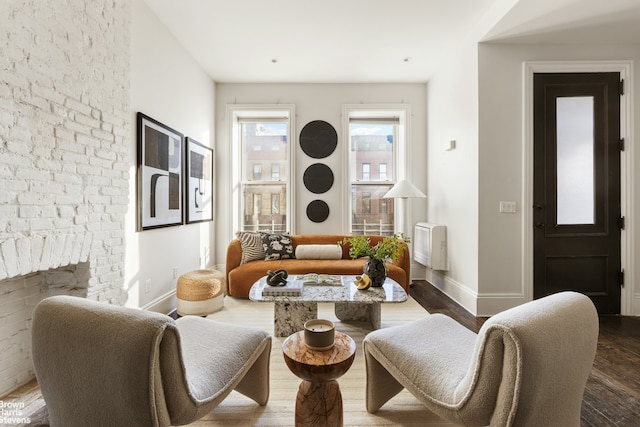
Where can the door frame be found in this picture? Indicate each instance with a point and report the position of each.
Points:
(628, 305)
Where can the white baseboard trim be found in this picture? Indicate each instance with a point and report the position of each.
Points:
(635, 305)
(454, 290)
(479, 305)
(163, 304)
(490, 304)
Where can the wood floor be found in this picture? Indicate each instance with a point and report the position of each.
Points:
(612, 395)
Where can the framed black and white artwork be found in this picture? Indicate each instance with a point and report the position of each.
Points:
(160, 169)
(199, 188)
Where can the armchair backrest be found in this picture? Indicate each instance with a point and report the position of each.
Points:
(105, 359)
(531, 361)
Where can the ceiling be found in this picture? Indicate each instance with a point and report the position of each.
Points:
(375, 41)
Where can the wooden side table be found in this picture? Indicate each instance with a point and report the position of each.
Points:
(319, 402)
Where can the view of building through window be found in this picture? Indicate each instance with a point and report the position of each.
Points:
(264, 172)
(371, 166)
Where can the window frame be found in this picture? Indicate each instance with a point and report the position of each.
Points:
(401, 159)
(237, 113)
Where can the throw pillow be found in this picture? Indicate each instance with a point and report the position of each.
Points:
(251, 242)
(277, 246)
(318, 252)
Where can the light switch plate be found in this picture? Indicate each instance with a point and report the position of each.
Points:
(507, 207)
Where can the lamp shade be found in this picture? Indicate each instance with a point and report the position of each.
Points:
(403, 189)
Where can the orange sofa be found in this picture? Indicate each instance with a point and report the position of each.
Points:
(240, 277)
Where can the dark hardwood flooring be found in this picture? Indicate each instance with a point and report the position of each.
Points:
(612, 395)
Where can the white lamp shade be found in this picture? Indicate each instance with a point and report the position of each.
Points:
(403, 189)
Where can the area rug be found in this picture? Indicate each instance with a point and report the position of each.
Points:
(238, 410)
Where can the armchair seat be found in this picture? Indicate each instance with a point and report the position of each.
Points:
(103, 365)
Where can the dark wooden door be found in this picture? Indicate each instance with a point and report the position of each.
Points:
(577, 186)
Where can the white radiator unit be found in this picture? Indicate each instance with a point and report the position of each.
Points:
(430, 245)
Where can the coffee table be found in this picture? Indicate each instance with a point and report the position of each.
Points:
(319, 401)
(290, 312)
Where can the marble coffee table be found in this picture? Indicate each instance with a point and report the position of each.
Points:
(290, 312)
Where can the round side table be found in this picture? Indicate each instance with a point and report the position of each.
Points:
(319, 402)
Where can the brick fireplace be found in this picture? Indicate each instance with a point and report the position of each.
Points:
(65, 142)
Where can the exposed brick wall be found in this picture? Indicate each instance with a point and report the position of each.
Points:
(65, 133)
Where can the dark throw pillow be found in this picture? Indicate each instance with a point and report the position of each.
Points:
(277, 246)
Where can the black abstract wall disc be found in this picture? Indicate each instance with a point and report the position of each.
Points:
(318, 139)
(317, 211)
(318, 178)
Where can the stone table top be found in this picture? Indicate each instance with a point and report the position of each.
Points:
(319, 365)
(390, 292)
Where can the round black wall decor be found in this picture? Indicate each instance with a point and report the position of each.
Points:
(317, 211)
(318, 139)
(318, 178)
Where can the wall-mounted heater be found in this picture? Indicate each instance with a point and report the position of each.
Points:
(430, 245)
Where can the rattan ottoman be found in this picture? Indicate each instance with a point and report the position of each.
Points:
(200, 292)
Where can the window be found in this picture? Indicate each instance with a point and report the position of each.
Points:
(382, 172)
(366, 171)
(366, 203)
(384, 206)
(257, 172)
(376, 162)
(260, 140)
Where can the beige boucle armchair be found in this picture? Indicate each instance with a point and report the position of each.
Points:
(103, 365)
(528, 366)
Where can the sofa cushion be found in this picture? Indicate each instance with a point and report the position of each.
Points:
(318, 252)
(251, 242)
(277, 246)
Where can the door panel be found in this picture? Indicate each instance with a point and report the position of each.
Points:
(577, 186)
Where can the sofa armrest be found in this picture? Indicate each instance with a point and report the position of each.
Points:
(404, 262)
(234, 258)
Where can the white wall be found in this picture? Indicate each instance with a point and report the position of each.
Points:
(167, 85)
(452, 110)
(500, 281)
(317, 102)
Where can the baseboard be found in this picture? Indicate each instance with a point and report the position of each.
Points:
(635, 305)
(490, 304)
(163, 304)
(454, 290)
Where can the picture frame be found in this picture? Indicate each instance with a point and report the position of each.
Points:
(160, 174)
(199, 181)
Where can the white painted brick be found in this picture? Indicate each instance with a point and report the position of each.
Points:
(68, 199)
(86, 247)
(23, 247)
(18, 225)
(3, 268)
(13, 184)
(18, 146)
(35, 199)
(67, 178)
(45, 261)
(44, 163)
(10, 256)
(33, 174)
(40, 224)
(59, 109)
(36, 252)
(65, 256)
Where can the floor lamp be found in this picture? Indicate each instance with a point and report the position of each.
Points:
(404, 190)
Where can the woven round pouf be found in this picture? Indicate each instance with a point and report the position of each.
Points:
(200, 292)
